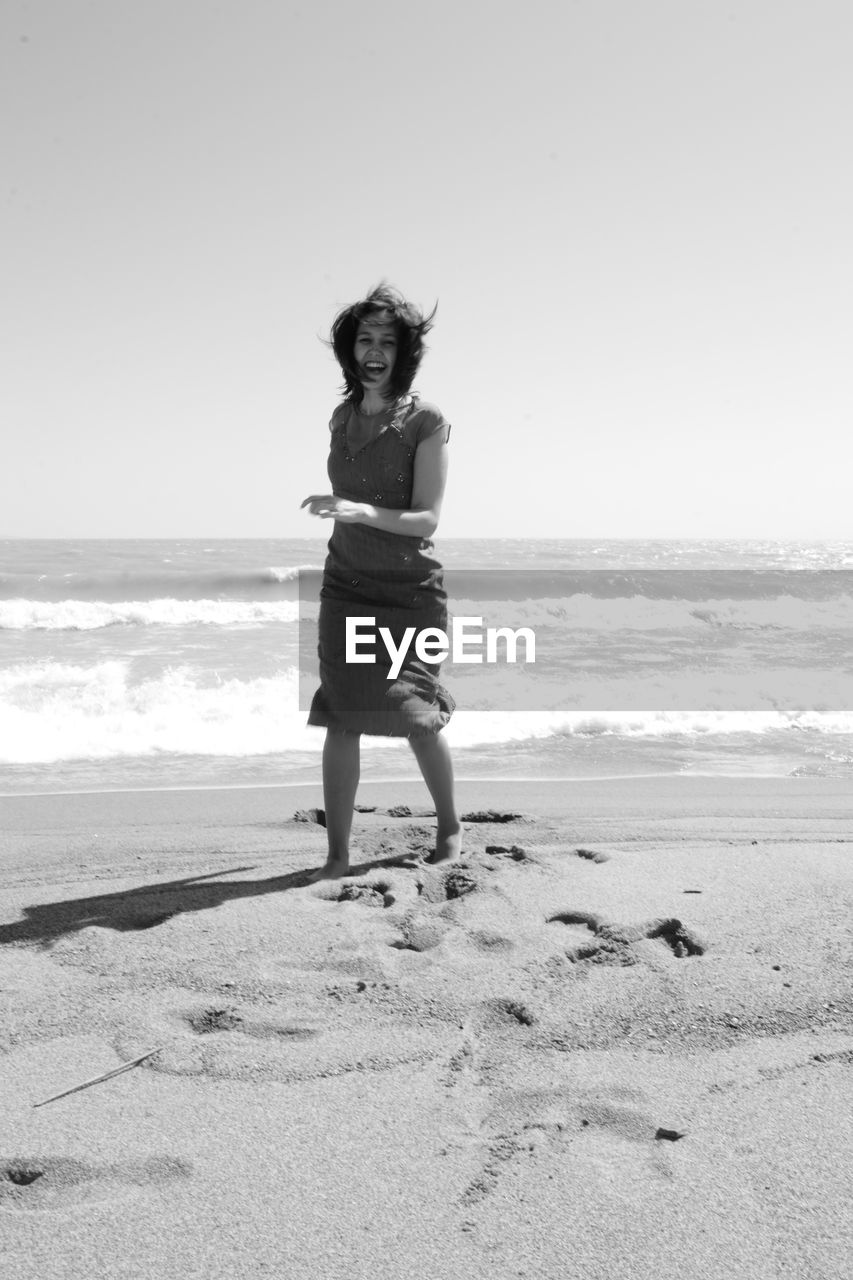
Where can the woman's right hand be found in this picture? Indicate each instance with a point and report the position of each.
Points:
(330, 507)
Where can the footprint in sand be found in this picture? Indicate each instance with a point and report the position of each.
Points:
(592, 855)
(371, 893)
(229, 1018)
(445, 884)
(459, 881)
(442, 906)
(55, 1183)
(502, 1012)
(546, 1124)
(221, 1039)
(491, 815)
(519, 854)
(420, 932)
(513, 851)
(490, 941)
(248, 1041)
(614, 944)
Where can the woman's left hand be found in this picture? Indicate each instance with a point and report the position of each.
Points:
(330, 507)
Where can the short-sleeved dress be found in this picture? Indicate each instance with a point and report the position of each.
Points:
(371, 573)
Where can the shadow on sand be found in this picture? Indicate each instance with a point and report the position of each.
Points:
(154, 904)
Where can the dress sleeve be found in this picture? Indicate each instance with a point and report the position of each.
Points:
(337, 417)
(426, 421)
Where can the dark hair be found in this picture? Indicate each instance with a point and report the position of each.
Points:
(410, 326)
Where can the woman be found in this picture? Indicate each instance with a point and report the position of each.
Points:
(388, 468)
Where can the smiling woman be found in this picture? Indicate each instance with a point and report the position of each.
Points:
(375, 353)
(386, 317)
(388, 466)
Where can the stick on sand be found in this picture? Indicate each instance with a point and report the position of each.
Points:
(105, 1075)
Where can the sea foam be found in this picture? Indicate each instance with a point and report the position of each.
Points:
(52, 711)
(91, 615)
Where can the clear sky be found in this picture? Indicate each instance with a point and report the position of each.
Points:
(635, 215)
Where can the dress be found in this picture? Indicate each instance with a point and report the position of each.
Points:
(370, 573)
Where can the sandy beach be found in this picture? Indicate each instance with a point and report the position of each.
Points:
(614, 1041)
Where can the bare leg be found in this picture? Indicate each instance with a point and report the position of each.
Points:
(433, 755)
(341, 771)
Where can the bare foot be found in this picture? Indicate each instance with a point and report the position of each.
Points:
(332, 870)
(448, 846)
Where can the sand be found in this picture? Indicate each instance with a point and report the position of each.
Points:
(421, 1072)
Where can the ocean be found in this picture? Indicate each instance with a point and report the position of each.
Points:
(156, 664)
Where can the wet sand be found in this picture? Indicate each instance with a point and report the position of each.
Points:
(614, 1041)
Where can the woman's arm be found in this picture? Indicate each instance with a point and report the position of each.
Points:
(418, 521)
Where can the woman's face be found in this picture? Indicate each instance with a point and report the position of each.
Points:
(375, 353)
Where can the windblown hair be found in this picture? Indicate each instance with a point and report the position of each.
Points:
(410, 325)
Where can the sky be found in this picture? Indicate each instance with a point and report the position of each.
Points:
(634, 216)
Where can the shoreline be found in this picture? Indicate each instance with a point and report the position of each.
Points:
(558, 797)
(391, 779)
